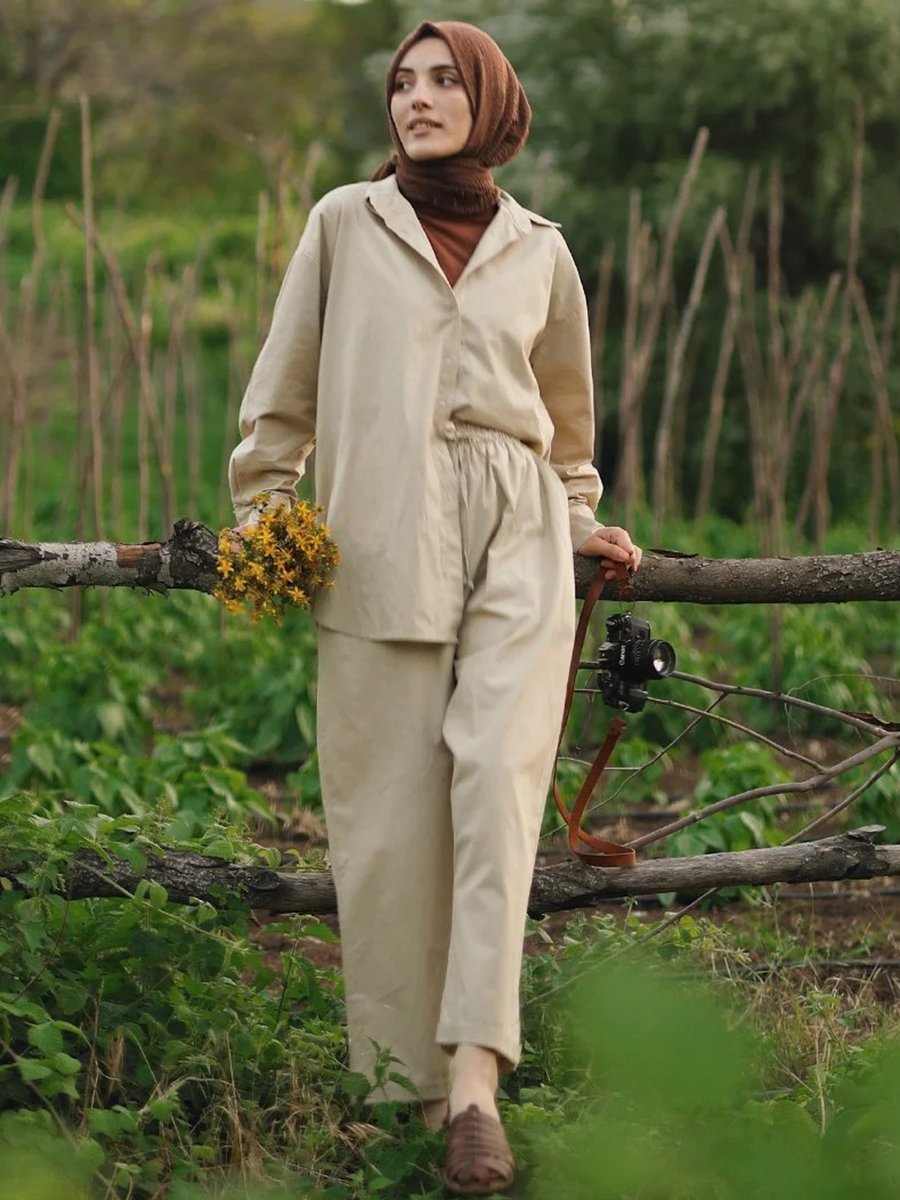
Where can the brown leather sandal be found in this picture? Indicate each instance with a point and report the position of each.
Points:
(479, 1160)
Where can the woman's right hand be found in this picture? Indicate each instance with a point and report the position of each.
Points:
(236, 536)
(615, 549)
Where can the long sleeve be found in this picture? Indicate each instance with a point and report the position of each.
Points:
(561, 361)
(278, 413)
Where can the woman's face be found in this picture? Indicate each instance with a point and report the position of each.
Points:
(429, 106)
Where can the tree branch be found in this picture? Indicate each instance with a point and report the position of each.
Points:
(187, 876)
(889, 742)
(188, 561)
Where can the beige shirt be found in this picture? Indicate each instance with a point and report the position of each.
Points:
(372, 357)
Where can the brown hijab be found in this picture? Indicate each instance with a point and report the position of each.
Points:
(501, 116)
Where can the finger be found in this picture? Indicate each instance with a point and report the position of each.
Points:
(623, 539)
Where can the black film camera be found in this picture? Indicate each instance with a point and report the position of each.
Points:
(629, 658)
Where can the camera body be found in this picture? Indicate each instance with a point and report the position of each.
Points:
(628, 659)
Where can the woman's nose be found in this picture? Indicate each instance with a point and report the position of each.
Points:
(420, 94)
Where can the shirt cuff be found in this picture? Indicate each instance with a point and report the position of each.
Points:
(249, 514)
(582, 523)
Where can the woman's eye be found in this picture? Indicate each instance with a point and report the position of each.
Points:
(447, 79)
(401, 85)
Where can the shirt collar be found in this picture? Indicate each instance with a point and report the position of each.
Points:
(510, 223)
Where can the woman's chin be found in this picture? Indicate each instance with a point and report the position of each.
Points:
(423, 153)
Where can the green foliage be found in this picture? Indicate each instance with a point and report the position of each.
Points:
(306, 782)
(878, 806)
(86, 694)
(170, 239)
(728, 771)
(161, 1025)
(188, 1052)
(670, 1105)
(181, 779)
(170, 1048)
(250, 688)
(825, 657)
(215, 99)
(619, 91)
(145, 1044)
(261, 685)
(208, 108)
(39, 1162)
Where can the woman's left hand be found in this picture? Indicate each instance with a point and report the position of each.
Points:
(614, 547)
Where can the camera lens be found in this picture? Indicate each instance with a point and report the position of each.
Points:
(661, 659)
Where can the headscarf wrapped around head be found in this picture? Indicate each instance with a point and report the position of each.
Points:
(501, 116)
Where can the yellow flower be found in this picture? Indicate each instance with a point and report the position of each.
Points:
(283, 560)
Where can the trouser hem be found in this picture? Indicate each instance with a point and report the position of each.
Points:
(432, 1089)
(505, 1045)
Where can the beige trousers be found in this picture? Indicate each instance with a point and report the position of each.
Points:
(435, 761)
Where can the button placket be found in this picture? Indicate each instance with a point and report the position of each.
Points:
(449, 374)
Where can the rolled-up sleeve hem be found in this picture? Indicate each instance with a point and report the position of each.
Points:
(249, 514)
(582, 524)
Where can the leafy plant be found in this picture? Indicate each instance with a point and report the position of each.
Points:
(669, 1105)
(162, 1029)
(727, 771)
(260, 683)
(185, 780)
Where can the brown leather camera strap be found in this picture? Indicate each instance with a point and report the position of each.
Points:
(600, 852)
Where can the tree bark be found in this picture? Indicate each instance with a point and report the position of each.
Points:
(188, 561)
(820, 579)
(568, 885)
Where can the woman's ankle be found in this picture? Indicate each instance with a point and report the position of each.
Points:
(473, 1080)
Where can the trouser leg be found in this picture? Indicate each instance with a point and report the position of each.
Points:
(435, 761)
(501, 727)
(502, 766)
(385, 782)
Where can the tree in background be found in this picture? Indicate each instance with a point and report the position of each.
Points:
(198, 105)
(620, 87)
(200, 99)
(194, 100)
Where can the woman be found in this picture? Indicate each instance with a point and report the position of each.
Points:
(431, 339)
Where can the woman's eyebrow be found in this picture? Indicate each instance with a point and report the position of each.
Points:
(439, 67)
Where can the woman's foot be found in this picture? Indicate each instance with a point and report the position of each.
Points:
(473, 1080)
(478, 1161)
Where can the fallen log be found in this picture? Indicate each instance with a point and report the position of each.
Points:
(187, 876)
(852, 855)
(188, 561)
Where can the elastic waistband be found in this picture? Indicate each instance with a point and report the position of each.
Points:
(464, 431)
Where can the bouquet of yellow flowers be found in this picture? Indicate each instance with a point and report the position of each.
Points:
(276, 564)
